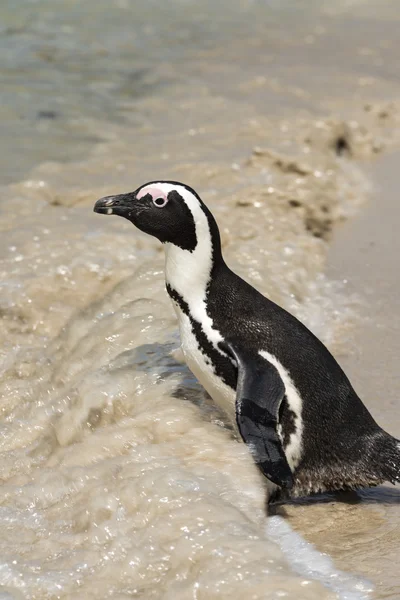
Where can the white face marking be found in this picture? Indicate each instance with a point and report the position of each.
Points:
(294, 448)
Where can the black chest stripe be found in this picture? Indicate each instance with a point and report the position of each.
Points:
(222, 365)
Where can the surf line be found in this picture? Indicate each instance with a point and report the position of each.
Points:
(309, 562)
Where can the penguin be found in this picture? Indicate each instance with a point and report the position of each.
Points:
(282, 389)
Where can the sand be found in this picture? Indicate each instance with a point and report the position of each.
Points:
(362, 531)
(366, 253)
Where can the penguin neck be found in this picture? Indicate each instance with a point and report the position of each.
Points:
(190, 273)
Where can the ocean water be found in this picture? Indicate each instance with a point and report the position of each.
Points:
(119, 479)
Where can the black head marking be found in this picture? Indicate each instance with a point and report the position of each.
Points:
(165, 215)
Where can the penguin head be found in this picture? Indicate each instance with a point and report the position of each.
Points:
(170, 211)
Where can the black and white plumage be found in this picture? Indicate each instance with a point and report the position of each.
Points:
(292, 403)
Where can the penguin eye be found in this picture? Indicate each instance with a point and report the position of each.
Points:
(160, 202)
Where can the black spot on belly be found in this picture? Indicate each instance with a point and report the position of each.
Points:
(287, 419)
(222, 364)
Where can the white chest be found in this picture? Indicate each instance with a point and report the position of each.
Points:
(202, 368)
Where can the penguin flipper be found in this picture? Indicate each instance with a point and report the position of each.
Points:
(259, 394)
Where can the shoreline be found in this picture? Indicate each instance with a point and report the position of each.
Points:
(364, 250)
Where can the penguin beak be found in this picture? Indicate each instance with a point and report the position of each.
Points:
(121, 205)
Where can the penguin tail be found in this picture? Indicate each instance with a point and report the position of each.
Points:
(387, 458)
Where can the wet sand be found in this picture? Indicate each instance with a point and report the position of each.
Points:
(365, 252)
(362, 531)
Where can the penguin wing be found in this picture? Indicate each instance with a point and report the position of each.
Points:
(259, 393)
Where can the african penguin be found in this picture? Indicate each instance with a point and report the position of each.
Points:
(291, 402)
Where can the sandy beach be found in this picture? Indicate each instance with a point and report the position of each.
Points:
(364, 528)
(365, 252)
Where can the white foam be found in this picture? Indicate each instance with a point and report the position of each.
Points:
(306, 560)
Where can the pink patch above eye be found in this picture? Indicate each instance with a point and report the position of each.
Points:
(153, 191)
